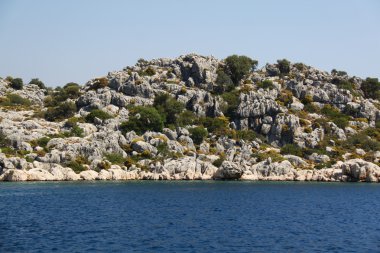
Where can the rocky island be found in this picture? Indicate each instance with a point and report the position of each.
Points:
(194, 118)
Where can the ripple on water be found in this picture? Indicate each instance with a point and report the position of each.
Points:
(189, 217)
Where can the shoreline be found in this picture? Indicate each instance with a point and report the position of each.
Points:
(354, 170)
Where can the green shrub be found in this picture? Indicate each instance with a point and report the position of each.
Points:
(266, 84)
(38, 82)
(4, 141)
(73, 121)
(343, 84)
(291, 149)
(283, 66)
(186, 118)
(76, 131)
(286, 97)
(76, 166)
(218, 126)
(223, 82)
(371, 88)
(148, 72)
(198, 134)
(362, 140)
(338, 73)
(43, 141)
(307, 99)
(232, 100)
(239, 66)
(300, 66)
(311, 108)
(71, 90)
(97, 113)
(99, 83)
(115, 158)
(62, 111)
(143, 119)
(218, 162)
(246, 135)
(17, 84)
(14, 99)
(168, 107)
(340, 119)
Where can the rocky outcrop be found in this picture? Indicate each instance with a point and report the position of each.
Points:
(308, 110)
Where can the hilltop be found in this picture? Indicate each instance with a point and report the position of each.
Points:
(195, 118)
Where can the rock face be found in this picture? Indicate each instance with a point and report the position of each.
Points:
(304, 125)
(360, 170)
(228, 170)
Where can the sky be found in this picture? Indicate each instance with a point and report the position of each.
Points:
(77, 40)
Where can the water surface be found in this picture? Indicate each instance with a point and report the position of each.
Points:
(148, 216)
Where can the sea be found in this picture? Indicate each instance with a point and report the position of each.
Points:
(189, 216)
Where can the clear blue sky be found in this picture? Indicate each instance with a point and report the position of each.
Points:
(76, 40)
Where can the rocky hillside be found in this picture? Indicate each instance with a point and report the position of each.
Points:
(194, 118)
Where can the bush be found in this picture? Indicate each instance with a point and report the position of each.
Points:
(148, 72)
(361, 140)
(143, 119)
(218, 162)
(223, 82)
(14, 99)
(76, 166)
(232, 100)
(73, 121)
(62, 111)
(186, 118)
(17, 84)
(198, 134)
(371, 88)
(340, 119)
(266, 84)
(291, 149)
(283, 66)
(338, 73)
(99, 83)
(38, 82)
(246, 135)
(115, 158)
(218, 126)
(4, 141)
(71, 90)
(286, 97)
(239, 66)
(90, 118)
(168, 107)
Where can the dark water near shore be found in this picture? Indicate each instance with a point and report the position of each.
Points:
(152, 216)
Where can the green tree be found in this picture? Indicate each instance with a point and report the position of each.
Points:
(198, 134)
(239, 66)
(62, 111)
(283, 66)
(38, 82)
(97, 114)
(17, 84)
(223, 82)
(371, 88)
(143, 119)
(168, 107)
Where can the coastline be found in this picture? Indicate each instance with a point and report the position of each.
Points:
(354, 170)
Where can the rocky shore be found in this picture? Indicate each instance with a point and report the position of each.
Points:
(194, 118)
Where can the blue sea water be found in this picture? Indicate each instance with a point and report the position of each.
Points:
(215, 216)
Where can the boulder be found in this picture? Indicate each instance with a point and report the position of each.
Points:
(39, 175)
(142, 146)
(88, 175)
(14, 175)
(228, 170)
